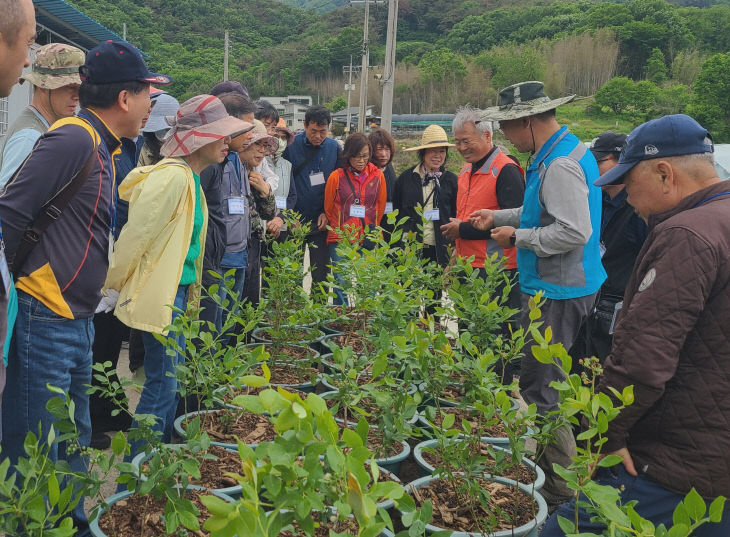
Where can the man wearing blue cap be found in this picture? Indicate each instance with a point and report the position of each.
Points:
(58, 214)
(672, 340)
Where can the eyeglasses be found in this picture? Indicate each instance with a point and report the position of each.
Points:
(464, 143)
(361, 157)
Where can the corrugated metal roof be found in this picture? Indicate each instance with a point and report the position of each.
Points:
(72, 23)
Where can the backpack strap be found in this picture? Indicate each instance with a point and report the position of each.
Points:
(50, 212)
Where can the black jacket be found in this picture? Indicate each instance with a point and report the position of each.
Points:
(408, 194)
(215, 240)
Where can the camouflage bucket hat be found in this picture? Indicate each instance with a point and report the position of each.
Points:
(55, 66)
(522, 100)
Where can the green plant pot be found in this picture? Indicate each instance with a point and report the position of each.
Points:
(178, 425)
(114, 498)
(527, 530)
(306, 387)
(494, 440)
(329, 394)
(427, 469)
(233, 492)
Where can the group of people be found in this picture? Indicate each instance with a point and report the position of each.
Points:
(117, 201)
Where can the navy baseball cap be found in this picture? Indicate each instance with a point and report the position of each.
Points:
(668, 136)
(112, 62)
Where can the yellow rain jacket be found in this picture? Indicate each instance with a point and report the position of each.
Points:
(147, 263)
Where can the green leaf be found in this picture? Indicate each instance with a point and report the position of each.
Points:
(252, 403)
(253, 381)
(189, 520)
(716, 509)
(695, 505)
(609, 460)
(351, 438)
(379, 366)
(448, 421)
(54, 491)
(217, 506)
(566, 525)
(299, 410)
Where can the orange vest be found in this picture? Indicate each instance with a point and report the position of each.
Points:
(479, 191)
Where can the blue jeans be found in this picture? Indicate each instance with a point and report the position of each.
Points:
(159, 396)
(47, 349)
(340, 298)
(655, 504)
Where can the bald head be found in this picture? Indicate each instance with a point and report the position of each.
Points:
(17, 33)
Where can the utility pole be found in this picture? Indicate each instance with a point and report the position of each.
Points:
(349, 88)
(225, 58)
(386, 113)
(124, 31)
(362, 116)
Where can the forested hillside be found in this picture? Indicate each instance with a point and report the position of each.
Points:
(449, 51)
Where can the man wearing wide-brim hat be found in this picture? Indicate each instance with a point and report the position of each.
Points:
(556, 232)
(55, 77)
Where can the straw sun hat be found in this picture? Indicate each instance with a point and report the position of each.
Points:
(433, 136)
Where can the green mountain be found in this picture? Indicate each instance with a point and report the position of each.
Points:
(295, 47)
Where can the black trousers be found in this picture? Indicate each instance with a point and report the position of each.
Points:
(108, 335)
(252, 282)
(319, 257)
(136, 350)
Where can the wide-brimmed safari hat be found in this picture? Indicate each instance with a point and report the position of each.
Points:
(200, 121)
(260, 133)
(522, 100)
(55, 66)
(433, 136)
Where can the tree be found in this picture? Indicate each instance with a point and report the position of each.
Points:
(616, 94)
(656, 69)
(710, 104)
(437, 64)
(337, 104)
(511, 64)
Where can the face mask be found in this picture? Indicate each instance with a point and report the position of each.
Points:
(282, 146)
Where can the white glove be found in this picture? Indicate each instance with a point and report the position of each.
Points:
(108, 301)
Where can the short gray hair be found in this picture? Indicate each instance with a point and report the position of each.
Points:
(468, 114)
(12, 20)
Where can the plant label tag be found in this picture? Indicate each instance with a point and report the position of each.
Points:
(357, 211)
(432, 215)
(388, 207)
(236, 206)
(5, 270)
(316, 179)
(280, 202)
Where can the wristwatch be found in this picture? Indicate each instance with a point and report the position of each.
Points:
(513, 238)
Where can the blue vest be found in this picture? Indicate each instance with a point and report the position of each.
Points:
(576, 273)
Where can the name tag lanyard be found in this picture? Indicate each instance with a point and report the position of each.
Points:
(357, 194)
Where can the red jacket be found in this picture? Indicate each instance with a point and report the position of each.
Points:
(340, 194)
(479, 191)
